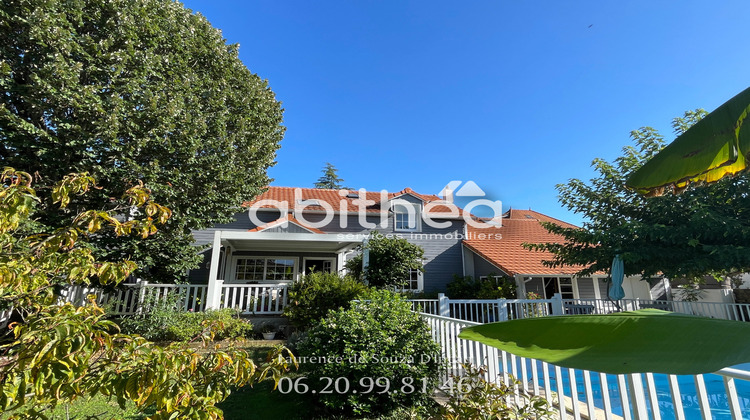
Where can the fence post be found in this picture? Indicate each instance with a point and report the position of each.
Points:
(502, 310)
(637, 396)
(557, 305)
(142, 285)
(444, 308)
(213, 294)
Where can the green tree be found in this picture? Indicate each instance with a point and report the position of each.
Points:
(330, 179)
(391, 260)
(702, 231)
(133, 90)
(59, 353)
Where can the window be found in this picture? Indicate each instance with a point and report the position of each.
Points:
(405, 217)
(414, 282)
(562, 285)
(566, 288)
(270, 269)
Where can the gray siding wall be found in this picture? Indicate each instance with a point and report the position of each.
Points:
(200, 275)
(241, 222)
(586, 288)
(483, 267)
(602, 288)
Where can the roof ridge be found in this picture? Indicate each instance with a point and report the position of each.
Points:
(553, 218)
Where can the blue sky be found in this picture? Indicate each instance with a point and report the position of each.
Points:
(515, 96)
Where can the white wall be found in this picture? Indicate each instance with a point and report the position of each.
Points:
(710, 295)
(635, 288)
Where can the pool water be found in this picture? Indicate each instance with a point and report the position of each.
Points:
(714, 386)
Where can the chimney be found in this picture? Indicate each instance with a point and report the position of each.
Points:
(448, 194)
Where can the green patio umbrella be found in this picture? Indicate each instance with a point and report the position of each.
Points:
(648, 340)
(715, 147)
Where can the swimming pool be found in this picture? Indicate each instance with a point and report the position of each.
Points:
(717, 397)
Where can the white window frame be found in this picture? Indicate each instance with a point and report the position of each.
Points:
(417, 215)
(420, 283)
(331, 259)
(574, 284)
(233, 268)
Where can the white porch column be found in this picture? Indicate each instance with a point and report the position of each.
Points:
(340, 257)
(213, 293)
(365, 261)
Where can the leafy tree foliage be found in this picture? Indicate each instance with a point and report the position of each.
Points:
(135, 90)
(390, 263)
(58, 353)
(330, 179)
(701, 231)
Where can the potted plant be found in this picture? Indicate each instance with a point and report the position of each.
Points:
(268, 330)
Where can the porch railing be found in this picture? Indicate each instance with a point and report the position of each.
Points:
(130, 299)
(581, 394)
(255, 298)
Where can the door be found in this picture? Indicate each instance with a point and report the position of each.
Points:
(318, 264)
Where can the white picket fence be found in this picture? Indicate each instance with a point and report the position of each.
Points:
(581, 394)
(494, 310)
(250, 299)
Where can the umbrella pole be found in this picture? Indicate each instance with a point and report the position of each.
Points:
(616, 303)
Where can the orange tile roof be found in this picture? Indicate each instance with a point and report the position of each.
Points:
(288, 218)
(506, 251)
(335, 198)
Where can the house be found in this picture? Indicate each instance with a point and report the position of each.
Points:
(499, 250)
(286, 232)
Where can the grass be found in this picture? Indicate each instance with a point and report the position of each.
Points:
(98, 407)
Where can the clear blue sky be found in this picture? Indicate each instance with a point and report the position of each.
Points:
(515, 95)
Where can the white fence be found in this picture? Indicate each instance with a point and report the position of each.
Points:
(271, 299)
(581, 394)
(732, 311)
(494, 310)
(255, 298)
(259, 299)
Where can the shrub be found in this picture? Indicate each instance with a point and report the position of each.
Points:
(391, 261)
(378, 343)
(153, 322)
(473, 397)
(317, 293)
(494, 287)
(164, 321)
